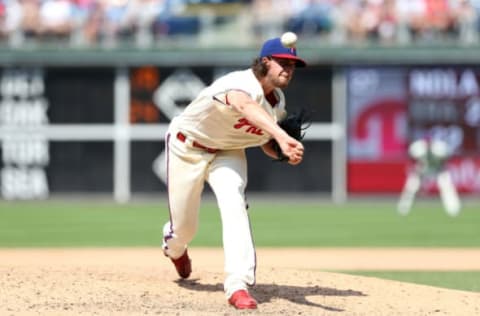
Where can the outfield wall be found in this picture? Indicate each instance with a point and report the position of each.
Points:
(79, 123)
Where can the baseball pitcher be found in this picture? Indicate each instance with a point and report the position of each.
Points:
(207, 142)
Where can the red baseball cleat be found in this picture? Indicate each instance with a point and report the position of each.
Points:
(183, 265)
(241, 299)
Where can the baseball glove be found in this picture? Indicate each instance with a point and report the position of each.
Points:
(294, 125)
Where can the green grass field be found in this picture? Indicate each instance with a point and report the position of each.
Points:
(281, 224)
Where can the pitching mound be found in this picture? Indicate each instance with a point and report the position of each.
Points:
(143, 282)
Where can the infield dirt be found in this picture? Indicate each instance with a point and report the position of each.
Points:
(141, 281)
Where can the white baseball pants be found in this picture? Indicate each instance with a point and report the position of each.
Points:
(226, 171)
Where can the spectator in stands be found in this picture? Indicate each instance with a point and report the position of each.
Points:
(113, 15)
(56, 19)
(269, 17)
(10, 22)
(398, 20)
(92, 21)
(361, 17)
(466, 21)
(87, 21)
(139, 18)
(387, 28)
(439, 17)
(476, 5)
(30, 23)
(314, 17)
(3, 20)
(429, 19)
(164, 25)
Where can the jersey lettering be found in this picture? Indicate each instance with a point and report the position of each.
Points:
(250, 129)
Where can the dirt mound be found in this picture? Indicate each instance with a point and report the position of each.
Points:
(143, 282)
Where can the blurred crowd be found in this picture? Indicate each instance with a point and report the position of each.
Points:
(145, 22)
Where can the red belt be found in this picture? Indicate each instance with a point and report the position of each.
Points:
(181, 137)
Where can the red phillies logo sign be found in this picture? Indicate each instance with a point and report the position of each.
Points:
(252, 129)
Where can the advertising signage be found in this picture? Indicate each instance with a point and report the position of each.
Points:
(389, 107)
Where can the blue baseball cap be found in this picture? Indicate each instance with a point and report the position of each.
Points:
(273, 47)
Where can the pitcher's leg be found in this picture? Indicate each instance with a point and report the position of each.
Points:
(185, 181)
(228, 178)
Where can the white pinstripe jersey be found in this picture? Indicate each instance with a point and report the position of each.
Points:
(216, 124)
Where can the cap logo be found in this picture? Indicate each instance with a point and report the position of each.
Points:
(274, 47)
